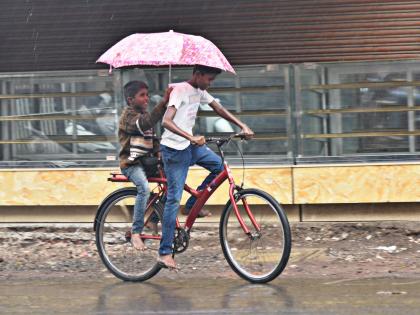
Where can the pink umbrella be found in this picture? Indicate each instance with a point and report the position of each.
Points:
(169, 48)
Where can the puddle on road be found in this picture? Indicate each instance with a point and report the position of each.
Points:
(207, 296)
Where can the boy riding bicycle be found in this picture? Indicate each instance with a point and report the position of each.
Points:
(181, 149)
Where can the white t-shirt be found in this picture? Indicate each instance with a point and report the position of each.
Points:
(186, 100)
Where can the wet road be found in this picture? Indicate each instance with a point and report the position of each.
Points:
(210, 296)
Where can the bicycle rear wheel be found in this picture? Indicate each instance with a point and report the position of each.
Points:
(263, 254)
(113, 237)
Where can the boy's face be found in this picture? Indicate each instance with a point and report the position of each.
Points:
(204, 80)
(140, 100)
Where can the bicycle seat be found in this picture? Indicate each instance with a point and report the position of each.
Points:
(117, 177)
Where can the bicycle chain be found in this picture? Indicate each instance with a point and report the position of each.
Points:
(181, 241)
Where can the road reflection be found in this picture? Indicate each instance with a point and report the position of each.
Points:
(208, 296)
(70, 294)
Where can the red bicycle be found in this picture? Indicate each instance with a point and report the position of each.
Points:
(254, 231)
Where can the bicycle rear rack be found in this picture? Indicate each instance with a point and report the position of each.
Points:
(117, 177)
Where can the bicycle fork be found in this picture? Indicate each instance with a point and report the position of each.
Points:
(234, 197)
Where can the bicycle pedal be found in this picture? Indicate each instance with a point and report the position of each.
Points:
(128, 236)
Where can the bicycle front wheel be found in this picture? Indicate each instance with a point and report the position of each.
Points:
(113, 237)
(261, 255)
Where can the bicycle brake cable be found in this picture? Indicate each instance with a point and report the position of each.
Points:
(243, 164)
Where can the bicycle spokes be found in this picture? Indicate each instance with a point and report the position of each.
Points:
(261, 254)
(114, 238)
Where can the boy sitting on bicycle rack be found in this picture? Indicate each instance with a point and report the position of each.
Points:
(135, 134)
(181, 149)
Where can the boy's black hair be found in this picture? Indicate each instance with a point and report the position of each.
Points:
(132, 87)
(206, 70)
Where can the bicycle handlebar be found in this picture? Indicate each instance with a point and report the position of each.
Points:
(220, 141)
(214, 139)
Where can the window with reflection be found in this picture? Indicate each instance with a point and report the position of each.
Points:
(358, 109)
(306, 113)
(58, 118)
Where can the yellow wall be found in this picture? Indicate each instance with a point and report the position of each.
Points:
(357, 184)
(89, 187)
(290, 185)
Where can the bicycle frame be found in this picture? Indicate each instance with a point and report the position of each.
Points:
(203, 195)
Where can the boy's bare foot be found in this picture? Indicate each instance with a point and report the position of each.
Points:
(137, 242)
(166, 261)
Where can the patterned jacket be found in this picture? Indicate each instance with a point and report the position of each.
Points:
(135, 133)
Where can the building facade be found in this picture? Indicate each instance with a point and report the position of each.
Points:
(331, 88)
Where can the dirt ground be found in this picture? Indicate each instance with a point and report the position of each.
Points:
(341, 250)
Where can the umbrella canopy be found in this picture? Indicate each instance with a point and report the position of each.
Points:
(168, 48)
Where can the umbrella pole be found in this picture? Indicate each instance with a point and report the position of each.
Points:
(170, 70)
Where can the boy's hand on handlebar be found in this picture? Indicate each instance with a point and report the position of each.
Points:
(198, 140)
(247, 132)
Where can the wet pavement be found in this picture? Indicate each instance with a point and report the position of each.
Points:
(210, 296)
(334, 268)
(341, 250)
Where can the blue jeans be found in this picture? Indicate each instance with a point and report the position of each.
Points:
(176, 164)
(137, 175)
